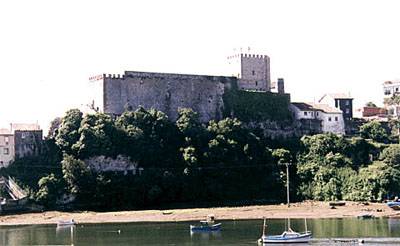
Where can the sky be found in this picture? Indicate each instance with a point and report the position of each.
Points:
(49, 49)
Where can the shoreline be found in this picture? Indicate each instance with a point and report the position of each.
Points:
(309, 210)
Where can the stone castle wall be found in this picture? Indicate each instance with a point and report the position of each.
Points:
(167, 93)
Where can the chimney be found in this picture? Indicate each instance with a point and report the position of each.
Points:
(281, 86)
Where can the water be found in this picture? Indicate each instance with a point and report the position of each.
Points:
(379, 231)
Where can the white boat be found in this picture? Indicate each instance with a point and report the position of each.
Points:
(70, 222)
(288, 236)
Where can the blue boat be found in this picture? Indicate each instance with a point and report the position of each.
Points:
(395, 205)
(203, 227)
(208, 225)
(288, 236)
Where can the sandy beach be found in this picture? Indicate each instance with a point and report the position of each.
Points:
(296, 210)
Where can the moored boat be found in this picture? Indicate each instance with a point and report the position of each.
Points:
(206, 225)
(365, 216)
(395, 205)
(288, 237)
(70, 222)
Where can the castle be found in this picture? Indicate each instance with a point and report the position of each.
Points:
(206, 95)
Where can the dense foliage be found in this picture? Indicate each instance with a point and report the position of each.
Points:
(375, 131)
(187, 163)
(255, 106)
(332, 167)
(183, 162)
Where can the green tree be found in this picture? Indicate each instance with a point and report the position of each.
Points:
(189, 124)
(391, 156)
(77, 175)
(395, 128)
(370, 104)
(321, 144)
(374, 130)
(50, 189)
(393, 100)
(68, 132)
(98, 136)
(379, 180)
(360, 151)
(282, 156)
(157, 139)
(54, 126)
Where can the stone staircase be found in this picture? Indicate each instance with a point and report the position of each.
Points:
(12, 188)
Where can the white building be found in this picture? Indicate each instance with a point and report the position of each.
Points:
(18, 141)
(6, 147)
(341, 101)
(391, 89)
(331, 118)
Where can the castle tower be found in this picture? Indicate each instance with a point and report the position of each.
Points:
(253, 71)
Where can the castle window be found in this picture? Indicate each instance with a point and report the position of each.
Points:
(256, 83)
(305, 113)
(347, 102)
(329, 119)
(6, 139)
(6, 151)
(336, 118)
(317, 113)
(347, 111)
(253, 72)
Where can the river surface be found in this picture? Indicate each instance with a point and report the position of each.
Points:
(378, 231)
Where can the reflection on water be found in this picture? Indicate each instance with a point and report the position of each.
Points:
(379, 231)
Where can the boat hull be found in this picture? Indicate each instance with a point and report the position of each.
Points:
(302, 238)
(205, 228)
(66, 223)
(394, 205)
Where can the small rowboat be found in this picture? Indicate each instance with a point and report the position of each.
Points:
(394, 205)
(366, 216)
(208, 225)
(70, 222)
(203, 227)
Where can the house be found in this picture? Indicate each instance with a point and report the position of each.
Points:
(6, 147)
(340, 101)
(371, 113)
(331, 119)
(19, 141)
(27, 139)
(391, 89)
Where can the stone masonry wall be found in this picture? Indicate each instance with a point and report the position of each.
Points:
(255, 72)
(167, 93)
(27, 142)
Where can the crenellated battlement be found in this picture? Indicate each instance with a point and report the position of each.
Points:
(247, 55)
(114, 76)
